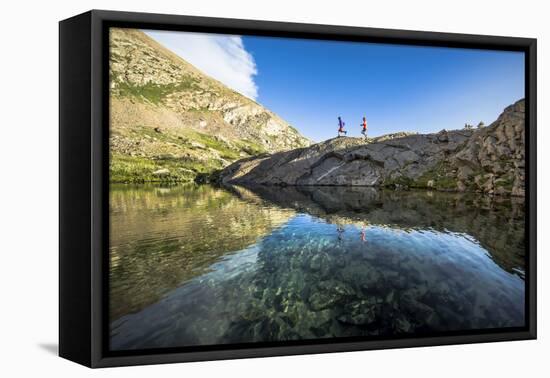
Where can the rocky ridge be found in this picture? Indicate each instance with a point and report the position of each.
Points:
(489, 159)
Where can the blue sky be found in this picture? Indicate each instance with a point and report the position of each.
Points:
(310, 83)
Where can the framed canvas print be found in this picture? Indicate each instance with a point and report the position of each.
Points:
(234, 188)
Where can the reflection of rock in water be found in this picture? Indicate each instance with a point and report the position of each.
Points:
(163, 236)
(498, 223)
(423, 267)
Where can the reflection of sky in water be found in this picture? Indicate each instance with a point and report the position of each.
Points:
(307, 279)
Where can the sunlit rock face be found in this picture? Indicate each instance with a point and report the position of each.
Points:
(488, 159)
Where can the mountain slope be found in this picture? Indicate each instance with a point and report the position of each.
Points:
(171, 122)
(489, 160)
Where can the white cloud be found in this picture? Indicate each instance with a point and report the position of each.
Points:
(222, 57)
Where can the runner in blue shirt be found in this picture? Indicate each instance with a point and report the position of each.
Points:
(341, 125)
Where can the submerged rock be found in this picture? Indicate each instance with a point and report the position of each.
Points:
(362, 312)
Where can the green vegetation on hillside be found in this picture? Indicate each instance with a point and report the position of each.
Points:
(170, 158)
(134, 169)
(155, 93)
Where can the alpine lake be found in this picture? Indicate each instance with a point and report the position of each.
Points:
(201, 265)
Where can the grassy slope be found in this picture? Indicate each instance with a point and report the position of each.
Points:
(186, 155)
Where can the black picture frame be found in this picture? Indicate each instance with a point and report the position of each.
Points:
(84, 187)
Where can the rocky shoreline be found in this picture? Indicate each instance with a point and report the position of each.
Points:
(489, 160)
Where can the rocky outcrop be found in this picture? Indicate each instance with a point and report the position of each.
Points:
(489, 159)
(493, 160)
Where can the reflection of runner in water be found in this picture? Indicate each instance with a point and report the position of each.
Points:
(340, 231)
(363, 234)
